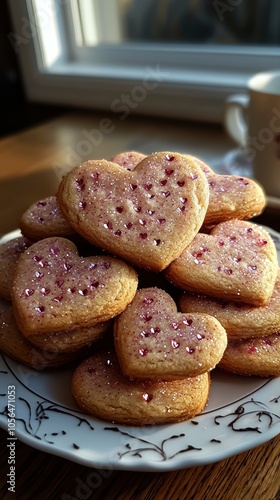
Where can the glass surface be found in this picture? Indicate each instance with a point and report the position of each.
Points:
(233, 22)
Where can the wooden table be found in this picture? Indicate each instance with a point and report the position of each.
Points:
(31, 165)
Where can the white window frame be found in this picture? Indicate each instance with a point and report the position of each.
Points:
(152, 79)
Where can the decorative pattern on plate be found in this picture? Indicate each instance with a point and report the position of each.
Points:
(238, 417)
(64, 431)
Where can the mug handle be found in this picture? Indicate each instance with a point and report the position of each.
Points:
(235, 121)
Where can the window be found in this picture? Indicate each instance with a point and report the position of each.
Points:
(173, 58)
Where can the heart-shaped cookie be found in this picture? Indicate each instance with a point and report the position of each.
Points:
(101, 389)
(154, 341)
(239, 320)
(236, 261)
(56, 290)
(146, 216)
(128, 159)
(230, 196)
(253, 356)
(44, 219)
(233, 197)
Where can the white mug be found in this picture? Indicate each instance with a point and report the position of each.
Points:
(253, 121)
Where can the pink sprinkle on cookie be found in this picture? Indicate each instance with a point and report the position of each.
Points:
(253, 356)
(233, 197)
(237, 261)
(154, 341)
(128, 159)
(56, 290)
(239, 320)
(146, 216)
(102, 390)
(44, 219)
(230, 197)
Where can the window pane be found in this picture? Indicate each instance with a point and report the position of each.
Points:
(230, 22)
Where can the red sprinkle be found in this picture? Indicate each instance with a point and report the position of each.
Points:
(147, 397)
(228, 271)
(169, 157)
(251, 349)
(266, 342)
(143, 352)
(169, 171)
(40, 309)
(58, 298)
(148, 300)
(59, 282)
(190, 350)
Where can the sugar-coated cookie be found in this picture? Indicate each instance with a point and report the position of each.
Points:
(255, 356)
(56, 290)
(239, 320)
(230, 196)
(153, 340)
(9, 255)
(72, 340)
(128, 159)
(15, 345)
(237, 261)
(100, 389)
(233, 197)
(44, 219)
(146, 216)
(204, 167)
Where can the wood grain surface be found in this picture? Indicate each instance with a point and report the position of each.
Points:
(31, 165)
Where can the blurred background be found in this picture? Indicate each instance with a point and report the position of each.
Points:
(181, 24)
(17, 112)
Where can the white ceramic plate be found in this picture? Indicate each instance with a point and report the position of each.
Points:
(243, 412)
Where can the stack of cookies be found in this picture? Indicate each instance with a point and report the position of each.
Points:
(147, 273)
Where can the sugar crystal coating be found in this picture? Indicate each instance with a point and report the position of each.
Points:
(72, 291)
(112, 208)
(44, 219)
(231, 263)
(100, 389)
(153, 340)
